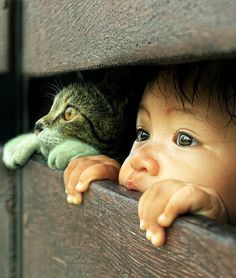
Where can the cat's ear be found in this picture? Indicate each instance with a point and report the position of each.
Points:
(79, 76)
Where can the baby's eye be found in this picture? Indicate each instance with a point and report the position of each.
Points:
(142, 135)
(185, 140)
(70, 113)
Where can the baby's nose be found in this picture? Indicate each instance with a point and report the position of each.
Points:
(147, 164)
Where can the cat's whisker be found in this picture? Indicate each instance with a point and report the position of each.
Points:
(54, 88)
(49, 95)
(58, 84)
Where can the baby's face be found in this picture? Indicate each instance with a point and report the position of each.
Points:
(193, 145)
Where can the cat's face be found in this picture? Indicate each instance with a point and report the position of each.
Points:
(82, 112)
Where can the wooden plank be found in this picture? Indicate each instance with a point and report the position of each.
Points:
(102, 238)
(7, 221)
(70, 35)
(3, 36)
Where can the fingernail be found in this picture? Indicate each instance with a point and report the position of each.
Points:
(148, 235)
(70, 199)
(76, 200)
(142, 226)
(162, 218)
(155, 240)
(78, 186)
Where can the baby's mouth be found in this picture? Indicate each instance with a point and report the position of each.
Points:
(130, 186)
(136, 181)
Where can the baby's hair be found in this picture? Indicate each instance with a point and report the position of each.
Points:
(219, 76)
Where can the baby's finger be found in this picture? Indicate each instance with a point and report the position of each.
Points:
(96, 172)
(156, 234)
(150, 206)
(69, 169)
(73, 176)
(66, 176)
(70, 188)
(142, 208)
(75, 199)
(186, 199)
(142, 225)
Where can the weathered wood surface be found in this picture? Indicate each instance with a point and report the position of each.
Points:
(3, 36)
(71, 34)
(6, 221)
(101, 238)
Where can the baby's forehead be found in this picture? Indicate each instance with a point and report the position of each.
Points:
(210, 81)
(207, 116)
(201, 104)
(186, 94)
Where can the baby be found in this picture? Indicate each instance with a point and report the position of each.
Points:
(184, 156)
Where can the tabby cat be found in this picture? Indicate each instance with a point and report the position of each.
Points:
(83, 120)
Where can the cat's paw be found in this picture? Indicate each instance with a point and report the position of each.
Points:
(18, 150)
(61, 155)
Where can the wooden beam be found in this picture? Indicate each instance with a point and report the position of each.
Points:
(70, 35)
(4, 8)
(7, 217)
(102, 238)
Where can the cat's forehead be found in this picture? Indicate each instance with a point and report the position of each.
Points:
(68, 93)
(77, 91)
(80, 94)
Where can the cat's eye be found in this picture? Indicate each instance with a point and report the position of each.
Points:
(185, 140)
(70, 113)
(142, 135)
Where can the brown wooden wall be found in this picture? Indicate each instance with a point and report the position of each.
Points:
(3, 36)
(7, 219)
(101, 238)
(46, 237)
(88, 34)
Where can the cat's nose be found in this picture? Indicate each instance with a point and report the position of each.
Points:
(38, 127)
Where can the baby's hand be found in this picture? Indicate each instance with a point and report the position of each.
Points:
(81, 171)
(163, 202)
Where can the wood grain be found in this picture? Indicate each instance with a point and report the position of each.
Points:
(3, 36)
(7, 221)
(101, 238)
(70, 35)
